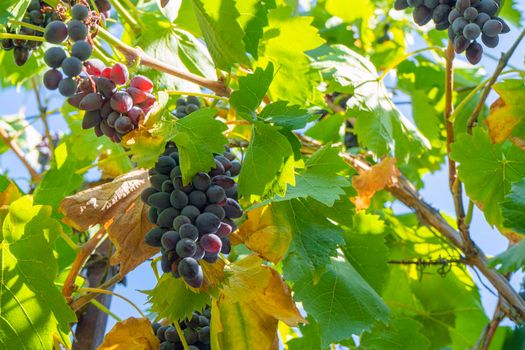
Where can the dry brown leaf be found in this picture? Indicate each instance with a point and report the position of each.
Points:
(131, 334)
(263, 235)
(117, 206)
(380, 176)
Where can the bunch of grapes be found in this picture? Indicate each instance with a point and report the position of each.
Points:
(38, 14)
(196, 332)
(193, 220)
(472, 19)
(428, 10)
(186, 106)
(466, 21)
(114, 104)
(57, 32)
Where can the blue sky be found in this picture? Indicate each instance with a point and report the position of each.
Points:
(435, 192)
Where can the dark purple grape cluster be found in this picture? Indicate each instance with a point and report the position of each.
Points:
(428, 10)
(56, 32)
(186, 106)
(193, 220)
(113, 103)
(38, 14)
(196, 332)
(474, 19)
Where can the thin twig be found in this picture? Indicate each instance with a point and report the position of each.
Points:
(35, 177)
(42, 108)
(501, 65)
(77, 304)
(109, 292)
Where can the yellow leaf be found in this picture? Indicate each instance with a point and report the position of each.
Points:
(507, 111)
(131, 334)
(9, 194)
(117, 206)
(379, 177)
(214, 274)
(263, 235)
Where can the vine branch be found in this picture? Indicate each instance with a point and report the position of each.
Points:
(503, 61)
(9, 142)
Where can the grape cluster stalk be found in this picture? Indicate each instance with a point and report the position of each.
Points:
(196, 332)
(467, 22)
(192, 220)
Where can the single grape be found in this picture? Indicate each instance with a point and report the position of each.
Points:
(470, 14)
(459, 24)
(490, 41)
(136, 115)
(91, 102)
(431, 3)
(21, 55)
(119, 74)
(218, 170)
(105, 86)
(55, 32)
(194, 100)
(7, 44)
(123, 125)
(159, 200)
(76, 98)
(79, 12)
(165, 164)
(146, 193)
(440, 13)
(223, 181)
(462, 5)
(226, 163)
(490, 7)
(179, 221)
(141, 82)
(492, 28)
(121, 101)
(190, 108)
(52, 79)
(112, 118)
(54, 56)
(167, 186)
(233, 209)
(215, 194)
(95, 67)
(198, 199)
(91, 118)
(204, 335)
(460, 44)
(167, 216)
(481, 19)
(170, 239)
(201, 181)
(153, 215)
(232, 192)
(157, 180)
(136, 94)
(216, 210)
(189, 231)
(506, 27)
(474, 53)
(401, 4)
(34, 5)
(199, 253)
(207, 223)
(106, 73)
(453, 15)
(175, 172)
(179, 200)
(81, 50)
(67, 87)
(236, 168)
(172, 335)
(72, 66)
(191, 212)
(226, 245)
(77, 30)
(161, 333)
(223, 230)
(211, 243)
(211, 257)
(154, 236)
(167, 345)
(422, 15)
(471, 31)
(195, 282)
(188, 267)
(36, 17)
(203, 321)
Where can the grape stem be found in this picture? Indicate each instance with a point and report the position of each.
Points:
(181, 335)
(9, 142)
(110, 292)
(512, 304)
(28, 25)
(21, 37)
(122, 12)
(505, 57)
(134, 55)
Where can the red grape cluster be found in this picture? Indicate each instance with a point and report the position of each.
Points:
(38, 14)
(114, 104)
(193, 220)
(196, 332)
(466, 21)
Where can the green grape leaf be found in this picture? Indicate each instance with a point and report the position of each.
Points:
(347, 13)
(221, 31)
(310, 337)
(250, 94)
(294, 81)
(268, 163)
(314, 239)
(513, 259)
(510, 11)
(328, 130)
(171, 299)
(399, 334)
(341, 302)
(513, 208)
(487, 170)
(167, 43)
(253, 19)
(288, 116)
(32, 308)
(13, 10)
(198, 137)
(368, 254)
(380, 126)
(11, 74)
(320, 179)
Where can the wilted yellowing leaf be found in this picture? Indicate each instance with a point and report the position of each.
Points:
(131, 334)
(507, 111)
(263, 235)
(117, 206)
(380, 176)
